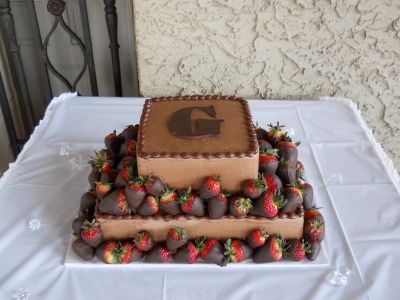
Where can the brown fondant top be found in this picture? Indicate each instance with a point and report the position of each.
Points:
(237, 137)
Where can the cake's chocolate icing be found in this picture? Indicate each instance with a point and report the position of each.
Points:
(251, 151)
(181, 124)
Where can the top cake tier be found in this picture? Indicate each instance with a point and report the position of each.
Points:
(207, 132)
(203, 115)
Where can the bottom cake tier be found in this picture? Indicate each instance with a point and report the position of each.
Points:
(121, 228)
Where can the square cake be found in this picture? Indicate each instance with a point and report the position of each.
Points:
(184, 139)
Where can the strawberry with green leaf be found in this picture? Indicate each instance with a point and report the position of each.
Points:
(187, 254)
(287, 150)
(294, 197)
(169, 201)
(149, 206)
(297, 249)
(103, 188)
(113, 252)
(268, 161)
(275, 133)
(210, 187)
(217, 206)
(253, 188)
(236, 251)
(308, 195)
(273, 250)
(267, 205)
(314, 229)
(112, 142)
(159, 254)
(115, 204)
(190, 203)
(176, 238)
(91, 233)
(143, 240)
(239, 206)
(135, 192)
(124, 177)
(257, 238)
(154, 186)
(210, 251)
(273, 183)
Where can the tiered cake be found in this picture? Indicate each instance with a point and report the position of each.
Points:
(198, 165)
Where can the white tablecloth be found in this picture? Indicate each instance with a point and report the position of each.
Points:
(353, 181)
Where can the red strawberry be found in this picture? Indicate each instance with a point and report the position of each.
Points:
(314, 229)
(135, 192)
(210, 251)
(308, 195)
(97, 161)
(187, 254)
(128, 148)
(109, 252)
(253, 188)
(294, 197)
(113, 142)
(154, 186)
(137, 254)
(115, 204)
(287, 150)
(297, 249)
(130, 132)
(257, 238)
(150, 206)
(315, 248)
(299, 170)
(159, 254)
(124, 176)
(176, 238)
(217, 206)
(273, 250)
(239, 206)
(103, 188)
(210, 187)
(268, 161)
(312, 213)
(287, 172)
(126, 253)
(143, 240)
(236, 251)
(91, 233)
(275, 133)
(169, 201)
(191, 203)
(273, 183)
(82, 249)
(267, 205)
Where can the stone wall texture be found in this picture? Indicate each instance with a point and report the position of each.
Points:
(291, 49)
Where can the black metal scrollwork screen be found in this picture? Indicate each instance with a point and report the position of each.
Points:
(45, 65)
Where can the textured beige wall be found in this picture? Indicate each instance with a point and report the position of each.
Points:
(297, 49)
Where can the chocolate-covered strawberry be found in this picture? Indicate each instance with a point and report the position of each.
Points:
(299, 170)
(294, 197)
(236, 251)
(308, 195)
(83, 249)
(77, 223)
(115, 204)
(124, 177)
(287, 150)
(314, 229)
(91, 233)
(296, 249)
(268, 161)
(88, 204)
(128, 148)
(113, 252)
(267, 205)
(103, 188)
(94, 176)
(127, 161)
(137, 254)
(190, 203)
(135, 192)
(315, 248)
(210, 187)
(108, 176)
(143, 240)
(154, 186)
(239, 206)
(187, 254)
(275, 133)
(313, 213)
(176, 238)
(287, 172)
(149, 206)
(257, 238)
(260, 132)
(218, 206)
(253, 188)
(130, 133)
(169, 201)
(159, 254)
(108, 252)
(263, 145)
(273, 183)
(210, 251)
(113, 142)
(273, 250)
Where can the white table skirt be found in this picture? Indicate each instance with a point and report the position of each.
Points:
(353, 181)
